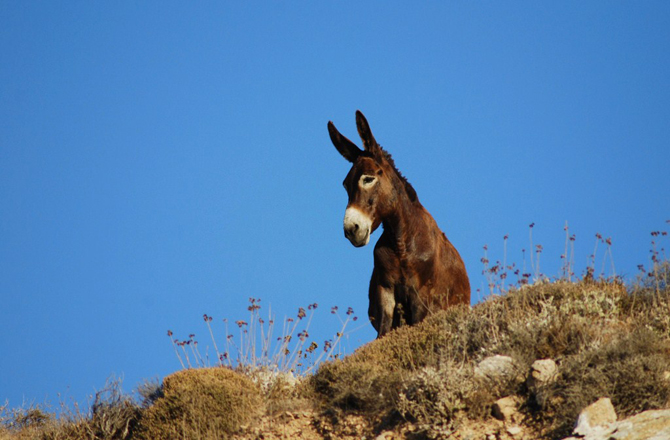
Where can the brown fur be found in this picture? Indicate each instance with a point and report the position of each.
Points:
(417, 270)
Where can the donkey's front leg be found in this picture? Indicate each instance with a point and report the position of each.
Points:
(382, 305)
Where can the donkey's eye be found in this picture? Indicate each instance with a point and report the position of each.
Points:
(368, 180)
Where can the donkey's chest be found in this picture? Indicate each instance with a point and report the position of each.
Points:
(394, 268)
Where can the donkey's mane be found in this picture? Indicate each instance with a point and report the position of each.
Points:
(411, 193)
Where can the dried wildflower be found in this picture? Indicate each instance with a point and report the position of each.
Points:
(253, 307)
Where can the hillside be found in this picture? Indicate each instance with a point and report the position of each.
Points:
(467, 373)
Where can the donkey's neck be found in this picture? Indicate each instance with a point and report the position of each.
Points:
(405, 224)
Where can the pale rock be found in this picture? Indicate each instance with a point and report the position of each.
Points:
(386, 435)
(506, 408)
(495, 368)
(543, 371)
(648, 425)
(597, 418)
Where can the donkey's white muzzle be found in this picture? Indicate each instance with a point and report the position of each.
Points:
(357, 226)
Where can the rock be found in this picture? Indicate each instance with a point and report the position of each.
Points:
(505, 409)
(514, 430)
(386, 435)
(543, 371)
(648, 425)
(495, 368)
(597, 418)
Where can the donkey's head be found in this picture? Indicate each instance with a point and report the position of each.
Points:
(373, 184)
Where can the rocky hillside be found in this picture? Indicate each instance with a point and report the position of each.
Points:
(526, 365)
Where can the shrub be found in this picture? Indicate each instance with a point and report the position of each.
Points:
(629, 369)
(114, 414)
(607, 340)
(201, 403)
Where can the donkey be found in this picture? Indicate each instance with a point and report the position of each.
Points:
(417, 271)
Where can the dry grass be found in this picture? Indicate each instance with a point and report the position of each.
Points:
(113, 415)
(203, 403)
(608, 341)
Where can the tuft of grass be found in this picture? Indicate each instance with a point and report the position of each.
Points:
(436, 398)
(113, 413)
(24, 423)
(205, 403)
(113, 416)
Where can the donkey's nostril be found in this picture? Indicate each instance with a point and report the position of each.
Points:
(355, 227)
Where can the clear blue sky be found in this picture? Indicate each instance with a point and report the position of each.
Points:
(161, 160)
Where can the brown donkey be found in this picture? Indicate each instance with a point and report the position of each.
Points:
(417, 270)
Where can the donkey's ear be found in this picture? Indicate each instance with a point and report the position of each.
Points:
(365, 133)
(347, 149)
